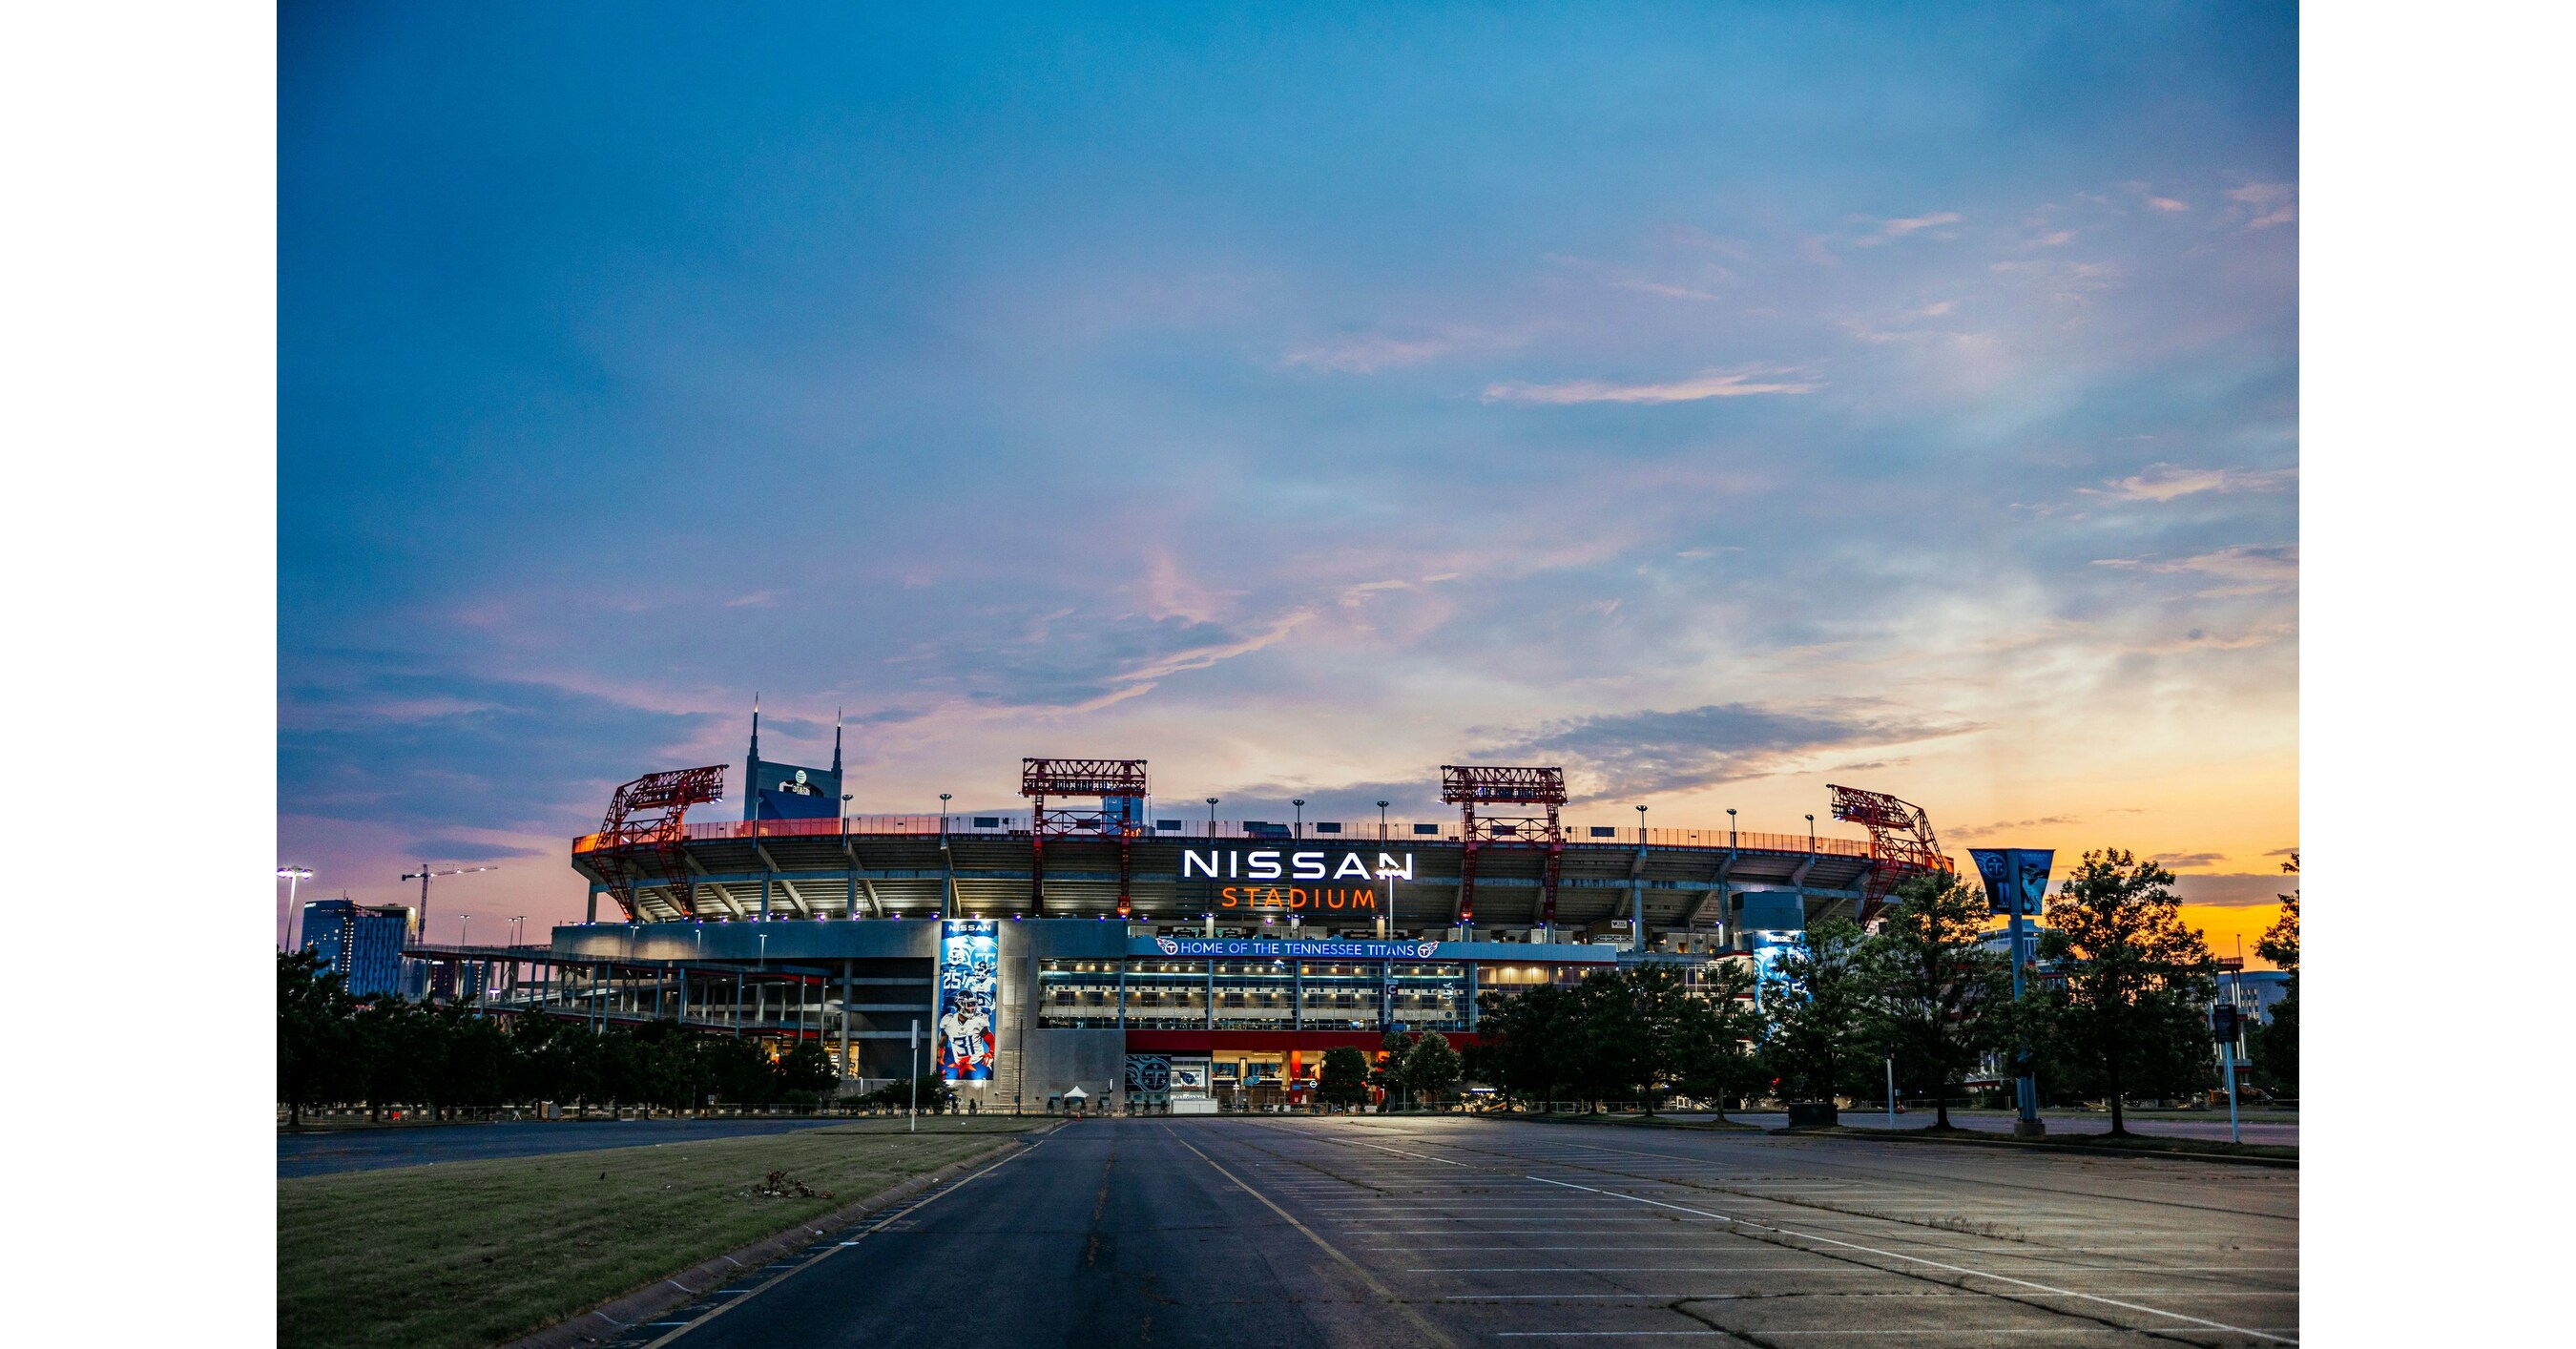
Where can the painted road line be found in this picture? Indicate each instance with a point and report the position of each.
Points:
(1430, 1332)
(829, 1251)
(1940, 1265)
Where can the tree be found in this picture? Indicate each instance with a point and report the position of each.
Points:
(1941, 998)
(1716, 1062)
(316, 1049)
(807, 1069)
(1530, 1041)
(2280, 943)
(738, 1071)
(2135, 974)
(1432, 1068)
(1815, 1032)
(1344, 1078)
(2275, 1046)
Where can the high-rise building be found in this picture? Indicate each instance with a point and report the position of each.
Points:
(362, 943)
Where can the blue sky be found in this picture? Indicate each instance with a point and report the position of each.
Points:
(1716, 400)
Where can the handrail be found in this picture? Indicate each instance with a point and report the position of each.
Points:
(1397, 832)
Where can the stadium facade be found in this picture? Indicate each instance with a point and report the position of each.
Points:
(1102, 941)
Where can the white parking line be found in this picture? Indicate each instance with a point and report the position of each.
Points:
(1935, 1264)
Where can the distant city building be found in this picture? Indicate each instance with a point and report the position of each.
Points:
(362, 943)
(2257, 991)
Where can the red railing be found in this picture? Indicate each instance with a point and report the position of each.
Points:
(1396, 832)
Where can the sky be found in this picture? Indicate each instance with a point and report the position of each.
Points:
(1718, 401)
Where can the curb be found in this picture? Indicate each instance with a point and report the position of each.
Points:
(2061, 1149)
(621, 1314)
(1902, 1136)
(1638, 1122)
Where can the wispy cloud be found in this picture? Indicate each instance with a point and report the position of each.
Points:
(1904, 225)
(1741, 382)
(1366, 353)
(1634, 753)
(758, 599)
(2165, 482)
(2167, 204)
(2267, 204)
(2245, 569)
(2189, 859)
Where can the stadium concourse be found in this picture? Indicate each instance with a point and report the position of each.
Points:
(1103, 948)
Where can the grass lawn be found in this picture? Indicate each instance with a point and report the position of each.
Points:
(467, 1254)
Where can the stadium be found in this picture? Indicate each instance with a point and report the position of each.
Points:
(1104, 949)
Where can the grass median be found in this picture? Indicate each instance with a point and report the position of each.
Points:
(467, 1254)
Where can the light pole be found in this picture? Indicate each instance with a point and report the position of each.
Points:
(915, 1125)
(1381, 822)
(1300, 804)
(1811, 835)
(948, 862)
(1637, 891)
(292, 875)
(1730, 828)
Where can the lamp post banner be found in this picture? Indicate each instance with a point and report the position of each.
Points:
(969, 996)
(2014, 874)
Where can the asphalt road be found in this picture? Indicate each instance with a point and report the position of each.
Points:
(323, 1152)
(1371, 1231)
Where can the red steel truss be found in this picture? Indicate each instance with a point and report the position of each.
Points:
(1901, 844)
(647, 818)
(1119, 786)
(1468, 787)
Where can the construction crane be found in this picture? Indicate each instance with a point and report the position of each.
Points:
(1468, 786)
(646, 818)
(1901, 845)
(423, 876)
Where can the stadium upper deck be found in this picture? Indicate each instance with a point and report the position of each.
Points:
(879, 866)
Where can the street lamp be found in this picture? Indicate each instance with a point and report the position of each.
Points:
(1730, 828)
(1381, 822)
(1211, 817)
(948, 861)
(1300, 804)
(1637, 918)
(1811, 835)
(292, 875)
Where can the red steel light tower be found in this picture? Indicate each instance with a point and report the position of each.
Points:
(1466, 787)
(646, 816)
(1901, 845)
(1119, 786)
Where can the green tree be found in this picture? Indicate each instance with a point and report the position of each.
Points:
(1529, 1041)
(1344, 1077)
(1816, 1033)
(1715, 1060)
(2135, 974)
(807, 1069)
(738, 1070)
(1386, 1071)
(316, 1043)
(2280, 941)
(1432, 1068)
(2275, 1046)
(1941, 999)
(1611, 1054)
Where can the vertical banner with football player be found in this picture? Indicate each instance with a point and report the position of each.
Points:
(970, 997)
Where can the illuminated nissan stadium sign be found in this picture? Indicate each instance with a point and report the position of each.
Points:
(1304, 864)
